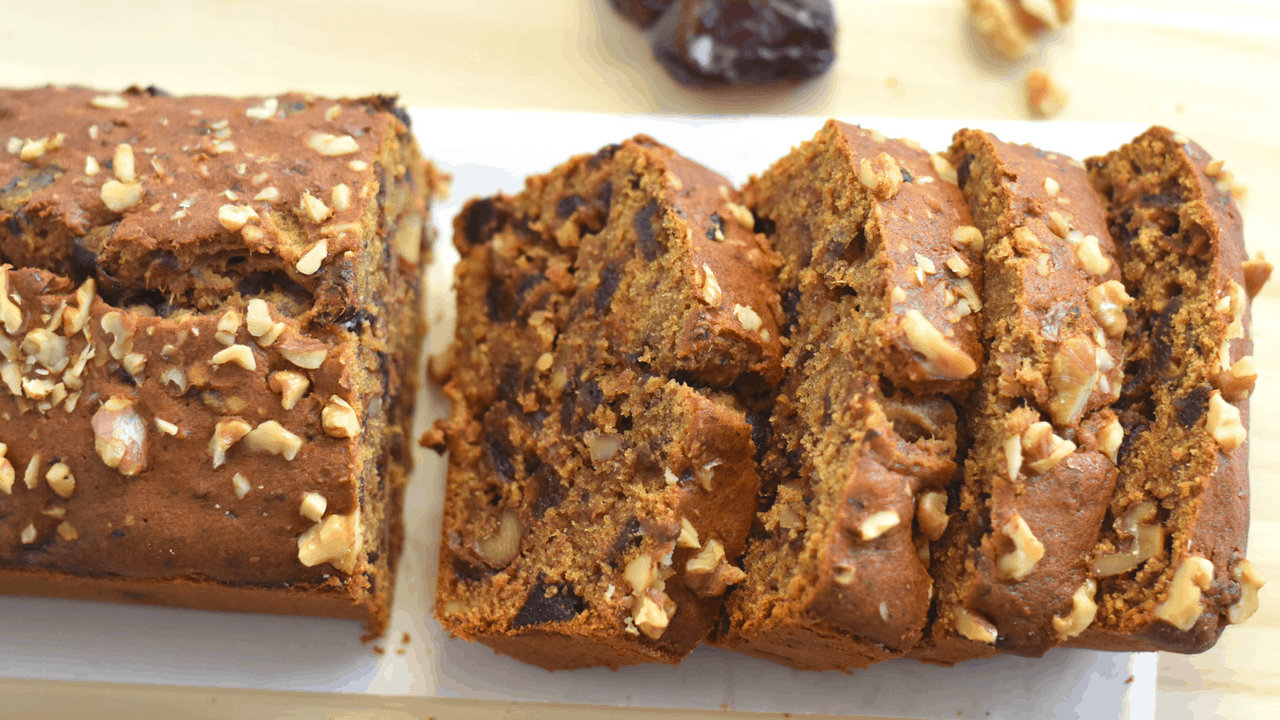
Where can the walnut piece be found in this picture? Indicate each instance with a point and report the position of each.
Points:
(272, 437)
(1045, 97)
(1108, 302)
(291, 385)
(226, 433)
(709, 573)
(1223, 423)
(306, 353)
(1256, 273)
(1250, 582)
(61, 480)
(336, 540)
(1074, 375)
(878, 523)
(1144, 540)
(882, 176)
(975, 627)
(1083, 610)
(500, 548)
(1027, 550)
(1042, 449)
(7, 474)
(339, 419)
(1109, 439)
(1237, 382)
(931, 513)
(313, 506)
(688, 535)
(120, 436)
(1181, 608)
(942, 358)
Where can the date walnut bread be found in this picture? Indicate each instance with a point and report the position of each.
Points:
(1170, 567)
(881, 279)
(616, 329)
(1042, 464)
(211, 330)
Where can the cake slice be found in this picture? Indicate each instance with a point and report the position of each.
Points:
(1042, 465)
(1170, 564)
(211, 330)
(881, 279)
(617, 328)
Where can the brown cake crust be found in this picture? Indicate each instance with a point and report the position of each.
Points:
(1170, 205)
(1038, 473)
(874, 250)
(157, 326)
(615, 322)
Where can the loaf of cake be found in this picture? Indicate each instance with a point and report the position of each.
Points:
(881, 280)
(211, 331)
(617, 332)
(1169, 566)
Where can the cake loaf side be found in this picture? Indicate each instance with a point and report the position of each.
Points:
(616, 321)
(212, 328)
(881, 279)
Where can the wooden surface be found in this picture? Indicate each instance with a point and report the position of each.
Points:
(1206, 69)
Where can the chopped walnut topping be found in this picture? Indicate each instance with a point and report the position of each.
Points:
(33, 149)
(688, 535)
(1223, 423)
(61, 480)
(1181, 608)
(28, 534)
(741, 215)
(975, 627)
(1083, 610)
(968, 236)
(931, 513)
(843, 573)
(1110, 437)
(1145, 539)
(267, 194)
(241, 485)
(1073, 377)
(709, 573)
(123, 164)
(1027, 550)
(925, 264)
(878, 523)
(958, 266)
(358, 165)
(241, 355)
(748, 317)
(313, 506)
(120, 436)
(1051, 187)
(1237, 382)
(337, 540)
(228, 326)
(340, 196)
(166, 427)
(110, 102)
(1043, 448)
(1013, 456)
(10, 311)
(75, 319)
(258, 317)
(1091, 257)
(309, 263)
(339, 419)
(118, 196)
(226, 433)
(650, 617)
(882, 177)
(7, 474)
(942, 358)
(313, 208)
(1108, 302)
(946, 171)
(291, 385)
(332, 145)
(1250, 583)
(31, 478)
(67, 532)
(263, 111)
(234, 217)
(711, 293)
(113, 323)
(303, 351)
(271, 437)
(91, 166)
